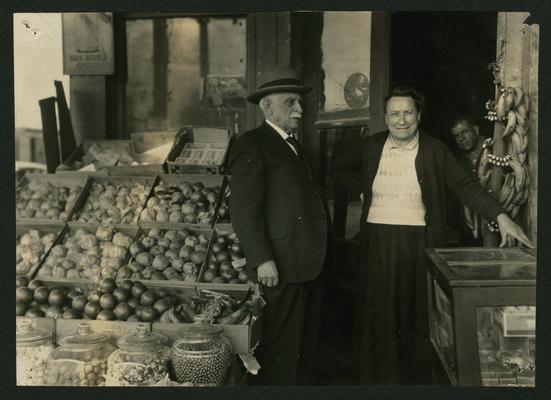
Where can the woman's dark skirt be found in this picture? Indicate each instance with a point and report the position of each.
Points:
(392, 339)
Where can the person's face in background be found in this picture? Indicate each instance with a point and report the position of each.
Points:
(284, 110)
(465, 135)
(402, 118)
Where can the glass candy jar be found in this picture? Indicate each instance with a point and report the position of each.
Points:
(143, 358)
(201, 355)
(33, 346)
(81, 358)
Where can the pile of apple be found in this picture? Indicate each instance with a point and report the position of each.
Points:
(29, 249)
(87, 255)
(129, 301)
(43, 200)
(113, 203)
(226, 262)
(192, 203)
(166, 254)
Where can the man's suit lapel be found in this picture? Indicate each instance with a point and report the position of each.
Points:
(278, 145)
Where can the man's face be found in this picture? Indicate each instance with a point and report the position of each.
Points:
(402, 118)
(465, 135)
(285, 110)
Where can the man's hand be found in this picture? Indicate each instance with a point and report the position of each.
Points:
(267, 274)
(510, 230)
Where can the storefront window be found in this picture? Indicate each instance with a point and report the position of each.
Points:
(185, 71)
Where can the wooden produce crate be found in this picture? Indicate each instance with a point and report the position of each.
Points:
(42, 228)
(237, 260)
(164, 227)
(171, 182)
(57, 181)
(199, 150)
(131, 231)
(128, 181)
(109, 153)
(242, 337)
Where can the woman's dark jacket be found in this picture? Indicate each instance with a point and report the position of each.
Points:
(436, 168)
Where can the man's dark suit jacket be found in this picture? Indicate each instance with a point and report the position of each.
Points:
(276, 210)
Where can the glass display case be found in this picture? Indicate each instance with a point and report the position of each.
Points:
(482, 315)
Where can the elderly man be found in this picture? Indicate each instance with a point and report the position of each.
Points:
(281, 219)
(401, 175)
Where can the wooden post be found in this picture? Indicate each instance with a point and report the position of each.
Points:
(517, 54)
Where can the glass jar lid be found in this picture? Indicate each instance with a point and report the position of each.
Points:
(84, 335)
(27, 332)
(142, 340)
(197, 333)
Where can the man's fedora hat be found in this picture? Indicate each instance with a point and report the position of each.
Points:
(277, 80)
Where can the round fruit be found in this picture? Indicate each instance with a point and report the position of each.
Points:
(243, 277)
(20, 308)
(126, 284)
(223, 240)
(56, 298)
(208, 276)
(162, 293)
(138, 289)
(148, 298)
(79, 303)
(138, 310)
(236, 249)
(95, 296)
(217, 248)
(229, 274)
(41, 294)
(35, 283)
(161, 305)
(133, 302)
(53, 312)
(106, 315)
(44, 307)
(197, 257)
(72, 294)
(225, 266)
(34, 313)
(121, 294)
(133, 318)
(71, 314)
(91, 309)
(108, 301)
(122, 311)
(149, 314)
(222, 256)
(235, 280)
(21, 281)
(24, 295)
(107, 285)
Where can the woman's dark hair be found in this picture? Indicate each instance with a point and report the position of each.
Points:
(406, 91)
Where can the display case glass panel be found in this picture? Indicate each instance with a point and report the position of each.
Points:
(507, 345)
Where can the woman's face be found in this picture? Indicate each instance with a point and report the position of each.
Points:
(402, 118)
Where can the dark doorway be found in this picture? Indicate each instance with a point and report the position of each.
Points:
(445, 55)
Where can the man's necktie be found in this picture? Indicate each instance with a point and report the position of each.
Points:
(300, 154)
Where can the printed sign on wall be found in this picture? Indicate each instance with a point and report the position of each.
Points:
(88, 45)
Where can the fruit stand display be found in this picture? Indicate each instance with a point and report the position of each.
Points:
(174, 252)
(47, 198)
(33, 242)
(192, 199)
(114, 199)
(225, 260)
(88, 252)
(117, 309)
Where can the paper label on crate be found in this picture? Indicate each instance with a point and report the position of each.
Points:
(88, 168)
(240, 263)
(519, 324)
(250, 363)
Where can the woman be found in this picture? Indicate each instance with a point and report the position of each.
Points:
(401, 175)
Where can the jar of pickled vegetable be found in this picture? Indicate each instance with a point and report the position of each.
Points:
(201, 355)
(81, 358)
(33, 346)
(143, 358)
